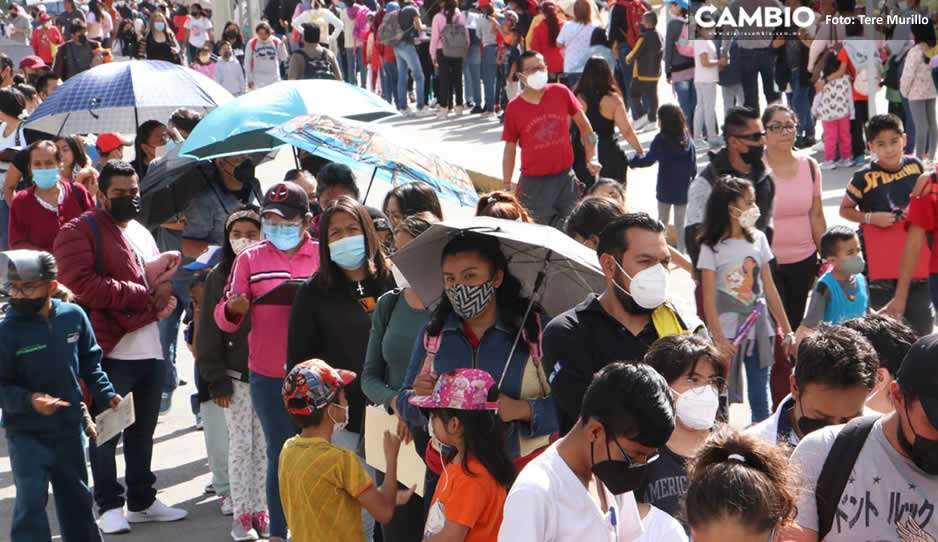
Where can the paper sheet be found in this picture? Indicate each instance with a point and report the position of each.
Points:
(110, 423)
(410, 468)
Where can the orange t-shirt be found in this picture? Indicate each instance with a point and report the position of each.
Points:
(474, 500)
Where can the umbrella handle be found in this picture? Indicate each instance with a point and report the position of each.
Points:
(538, 282)
(93, 102)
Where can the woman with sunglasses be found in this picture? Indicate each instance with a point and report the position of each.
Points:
(692, 367)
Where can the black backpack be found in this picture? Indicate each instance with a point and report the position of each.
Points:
(317, 68)
(837, 469)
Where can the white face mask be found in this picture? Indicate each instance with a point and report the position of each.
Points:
(399, 277)
(697, 408)
(749, 217)
(537, 80)
(242, 244)
(160, 151)
(337, 427)
(649, 286)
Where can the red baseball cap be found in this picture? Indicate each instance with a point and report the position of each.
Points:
(33, 62)
(108, 142)
(43, 17)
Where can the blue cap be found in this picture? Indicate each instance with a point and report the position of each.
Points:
(682, 3)
(391, 6)
(207, 259)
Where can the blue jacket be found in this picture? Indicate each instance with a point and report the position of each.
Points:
(677, 167)
(49, 356)
(456, 352)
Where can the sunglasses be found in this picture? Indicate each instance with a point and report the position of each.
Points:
(756, 136)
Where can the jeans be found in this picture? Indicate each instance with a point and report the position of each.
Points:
(489, 74)
(802, 98)
(917, 307)
(37, 460)
(353, 441)
(389, 82)
(753, 63)
(407, 59)
(472, 73)
(450, 81)
(352, 65)
(143, 377)
(757, 386)
(625, 73)
(687, 99)
(169, 335)
(926, 137)
(266, 394)
(680, 212)
(794, 282)
(215, 432)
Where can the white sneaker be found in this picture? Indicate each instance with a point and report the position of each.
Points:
(459, 110)
(829, 164)
(226, 508)
(157, 512)
(640, 123)
(441, 114)
(113, 522)
(425, 112)
(242, 530)
(846, 162)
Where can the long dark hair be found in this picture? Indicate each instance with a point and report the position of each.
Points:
(93, 7)
(484, 436)
(331, 274)
(511, 304)
(726, 190)
(227, 253)
(143, 134)
(673, 124)
(413, 198)
(596, 82)
(449, 10)
(549, 10)
(78, 150)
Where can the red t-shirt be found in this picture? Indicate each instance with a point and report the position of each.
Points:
(923, 211)
(542, 131)
(41, 41)
(842, 56)
(540, 42)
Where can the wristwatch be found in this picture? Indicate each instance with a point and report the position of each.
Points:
(592, 138)
(790, 336)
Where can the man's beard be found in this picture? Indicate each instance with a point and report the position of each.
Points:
(628, 304)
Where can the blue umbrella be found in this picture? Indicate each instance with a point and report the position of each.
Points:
(368, 148)
(241, 126)
(119, 96)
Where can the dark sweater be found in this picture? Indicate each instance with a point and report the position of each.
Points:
(333, 325)
(221, 357)
(677, 167)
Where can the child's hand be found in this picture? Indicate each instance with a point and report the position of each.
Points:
(46, 405)
(404, 495)
(392, 445)
(167, 310)
(237, 305)
(883, 219)
(91, 431)
(115, 402)
(424, 383)
(724, 346)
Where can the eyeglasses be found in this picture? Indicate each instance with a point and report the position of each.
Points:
(782, 128)
(628, 459)
(27, 290)
(756, 136)
(698, 384)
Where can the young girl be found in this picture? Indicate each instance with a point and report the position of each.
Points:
(706, 75)
(734, 263)
(467, 504)
(833, 106)
(739, 488)
(204, 63)
(676, 155)
(228, 72)
(610, 189)
(73, 155)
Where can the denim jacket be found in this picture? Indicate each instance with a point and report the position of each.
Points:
(456, 352)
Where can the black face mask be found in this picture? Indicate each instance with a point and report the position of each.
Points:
(753, 155)
(809, 425)
(231, 36)
(28, 307)
(244, 172)
(924, 452)
(83, 39)
(617, 475)
(124, 208)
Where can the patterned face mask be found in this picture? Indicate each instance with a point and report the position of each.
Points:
(470, 301)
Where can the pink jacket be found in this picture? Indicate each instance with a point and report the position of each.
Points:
(255, 272)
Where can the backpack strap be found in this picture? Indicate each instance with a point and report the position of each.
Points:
(536, 351)
(837, 468)
(431, 343)
(97, 242)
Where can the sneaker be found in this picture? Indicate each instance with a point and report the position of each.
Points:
(807, 142)
(701, 143)
(113, 522)
(441, 114)
(198, 423)
(262, 524)
(425, 112)
(859, 160)
(846, 162)
(226, 508)
(242, 530)
(476, 110)
(640, 123)
(716, 142)
(156, 512)
(829, 164)
(432, 103)
(409, 113)
(459, 110)
(166, 402)
(210, 489)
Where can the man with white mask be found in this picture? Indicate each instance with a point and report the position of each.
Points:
(619, 324)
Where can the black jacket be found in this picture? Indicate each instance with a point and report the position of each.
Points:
(221, 357)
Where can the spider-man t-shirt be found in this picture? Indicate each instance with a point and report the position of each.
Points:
(541, 130)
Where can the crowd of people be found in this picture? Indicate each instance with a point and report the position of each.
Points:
(607, 419)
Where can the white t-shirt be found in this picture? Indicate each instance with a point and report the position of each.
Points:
(887, 497)
(548, 503)
(575, 39)
(143, 343)
(198, 30)
(660, 526)
(16, 141)
(704, 74)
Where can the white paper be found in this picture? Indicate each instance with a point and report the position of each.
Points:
(110, 423)
(410, 468)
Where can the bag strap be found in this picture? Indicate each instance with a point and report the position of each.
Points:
(81, 202)
(431, 343)
(97, 242)
(837, 469)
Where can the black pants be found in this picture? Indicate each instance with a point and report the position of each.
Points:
(648, 90)
(918, 313)
(794, 282)
(450, 80)
(430, 80)
(861, 115)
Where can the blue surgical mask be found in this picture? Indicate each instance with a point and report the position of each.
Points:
(45, 178)
(159, 26)
(348, 253)
(171, 144)
(283, 236)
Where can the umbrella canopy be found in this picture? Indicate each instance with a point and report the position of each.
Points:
(377, 153)
(241, 126)
(119, 96)
(571, 270)
(170, 184)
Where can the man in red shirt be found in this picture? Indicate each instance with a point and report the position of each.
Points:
(44, 36)
(538, 120)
